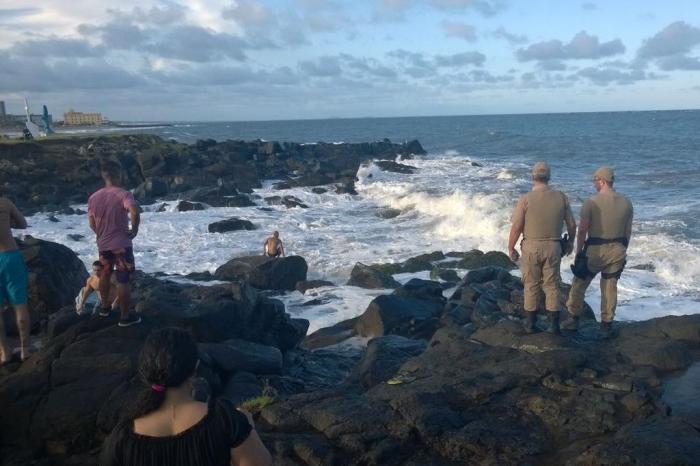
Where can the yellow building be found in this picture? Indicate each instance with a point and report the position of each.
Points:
(73, 118)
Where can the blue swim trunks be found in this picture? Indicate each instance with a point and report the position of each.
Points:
(14, 278)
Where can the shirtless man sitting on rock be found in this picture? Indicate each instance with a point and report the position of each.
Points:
(273, 246)
(93, 284)
(14, 279)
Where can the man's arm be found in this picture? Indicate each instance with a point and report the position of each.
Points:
(93, 224)
(628, 229)
(282, 248)
(87, 291)
(582, 234)
(135, 217)
(265, 247)
(516, 228)
(17, 220)
(570, 229)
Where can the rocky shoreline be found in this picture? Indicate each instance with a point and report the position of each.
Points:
(438, 372)
(49, 175)
(432, 372)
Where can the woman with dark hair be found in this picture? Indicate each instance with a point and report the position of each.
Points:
(169, 427)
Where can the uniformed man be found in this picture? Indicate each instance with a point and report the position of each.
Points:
(603, 236)
(539, 216)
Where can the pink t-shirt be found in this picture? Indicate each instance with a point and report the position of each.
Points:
(110, 209)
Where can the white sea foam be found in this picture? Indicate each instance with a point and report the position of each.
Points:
(448, 205)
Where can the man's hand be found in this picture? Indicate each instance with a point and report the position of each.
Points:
(513, 254)
(133, 232)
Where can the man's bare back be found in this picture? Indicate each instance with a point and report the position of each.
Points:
(10, 217)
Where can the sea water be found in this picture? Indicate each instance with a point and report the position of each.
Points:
(460, 197)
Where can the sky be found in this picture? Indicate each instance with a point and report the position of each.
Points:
(207, 60)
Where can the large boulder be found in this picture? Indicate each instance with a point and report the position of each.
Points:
(241, 355)
(186, 206)
(56, 275)
(391, 314)
(365, 276)
(281, 273)
(231, 224)
(476, 259)
(383, 356)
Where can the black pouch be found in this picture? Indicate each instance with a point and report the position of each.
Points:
(564, 243)
(580, 266)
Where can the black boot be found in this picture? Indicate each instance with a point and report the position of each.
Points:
(606, 330)
(553, 318)
(571, 323)
(530, 319)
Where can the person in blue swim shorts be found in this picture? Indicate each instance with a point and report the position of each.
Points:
(13, 279)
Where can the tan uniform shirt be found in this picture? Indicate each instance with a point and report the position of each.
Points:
(608, 215)
(542, 213)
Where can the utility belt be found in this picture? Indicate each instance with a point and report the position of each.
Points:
(580, 265)
(600, 241)
(563, 243)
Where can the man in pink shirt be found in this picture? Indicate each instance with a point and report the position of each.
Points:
(109, 210)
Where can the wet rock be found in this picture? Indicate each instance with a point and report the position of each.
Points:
(477, 259)
(287, 201)
(266, 273)
(75, 237)
(230, 224)
(365, 276)
(383, 356)
(388, 212)
(391, 166)
(398, 315)
(242, 386)
(319, 190)
(448, 275)
(421, 289)
(304, 286)
(241, 355)
(332, 335)
(186, 206)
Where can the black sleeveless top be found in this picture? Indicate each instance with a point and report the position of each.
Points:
(206, 443)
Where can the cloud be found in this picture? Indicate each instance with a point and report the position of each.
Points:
(459, 30)
(485, 7)
(582, 46)
(250, 14)
(323, 67)
(512, 39)
(679, 62)
(13, 13)
(223, 75)
(197, 44)
(676, 38)
(116, 34)
(390, 10)
(486, 77)
(589, 6)
(162, 14)
(460, 59)
(52, 47)
(36, 75)
(607, 76)
(552, 65)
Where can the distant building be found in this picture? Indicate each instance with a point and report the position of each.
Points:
(2, 111)
(73, 118)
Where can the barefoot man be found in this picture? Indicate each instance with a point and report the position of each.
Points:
(13, 279)
(273, 246)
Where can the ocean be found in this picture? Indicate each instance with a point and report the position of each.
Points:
(449, 204)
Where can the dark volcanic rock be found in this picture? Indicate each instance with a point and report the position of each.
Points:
(230, 224)
(398, 315)
(304, 286)
(383, 356)
(332, 335)
(477, 259)
(240, 355)
(287, 201)
(388, 213)
(391, 166)
(368, 277)
(282, 273)
(186, 206)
